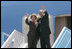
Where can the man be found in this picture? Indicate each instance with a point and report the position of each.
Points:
(44, 28)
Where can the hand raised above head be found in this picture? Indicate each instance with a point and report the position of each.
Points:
(43, 7)
(27, 15)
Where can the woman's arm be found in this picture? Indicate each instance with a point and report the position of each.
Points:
(27, 15)
(27, 22)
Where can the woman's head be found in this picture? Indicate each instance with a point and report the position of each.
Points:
(33, 17)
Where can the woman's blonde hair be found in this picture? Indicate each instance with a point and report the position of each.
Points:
(34, 15)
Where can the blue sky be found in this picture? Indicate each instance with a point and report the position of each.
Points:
(12, 11)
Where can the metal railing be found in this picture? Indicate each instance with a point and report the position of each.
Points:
(14, 40)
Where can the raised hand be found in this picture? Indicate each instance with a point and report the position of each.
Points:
(27, 15)
(43, 7)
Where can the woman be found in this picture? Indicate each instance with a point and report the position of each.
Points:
(32, 35)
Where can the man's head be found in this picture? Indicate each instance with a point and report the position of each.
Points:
(40, 12)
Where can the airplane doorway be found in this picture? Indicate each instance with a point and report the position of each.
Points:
(60, 22)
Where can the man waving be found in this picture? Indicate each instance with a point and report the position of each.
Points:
(44, 28)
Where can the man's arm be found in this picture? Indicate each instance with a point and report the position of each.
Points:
(46, 13)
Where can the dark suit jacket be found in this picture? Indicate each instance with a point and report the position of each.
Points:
(44, 25)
